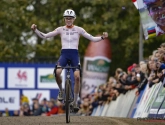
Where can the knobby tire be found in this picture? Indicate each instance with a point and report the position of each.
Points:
(67, 103)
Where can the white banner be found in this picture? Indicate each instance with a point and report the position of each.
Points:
(39, 94)
(21, 77)
(2, 79)
(9, 99)
(46, 78)
(95, 73)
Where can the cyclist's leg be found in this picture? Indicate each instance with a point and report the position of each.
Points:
(61, 62)
(58, 78)
(77, 85)
(75, 62)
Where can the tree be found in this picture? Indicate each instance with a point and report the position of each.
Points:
(118, 17)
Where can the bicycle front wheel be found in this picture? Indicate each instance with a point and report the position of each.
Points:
(67, 103)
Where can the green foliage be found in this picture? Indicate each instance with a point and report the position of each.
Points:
(95, 16)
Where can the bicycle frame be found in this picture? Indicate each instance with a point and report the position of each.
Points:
(69, 95)
(69, 78)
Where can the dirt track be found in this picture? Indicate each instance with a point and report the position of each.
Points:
(75, 120)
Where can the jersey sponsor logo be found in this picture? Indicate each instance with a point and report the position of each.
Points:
(70, 33)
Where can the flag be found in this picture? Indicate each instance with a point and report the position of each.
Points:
(135, 3)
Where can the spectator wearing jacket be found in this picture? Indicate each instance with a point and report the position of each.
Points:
(53, 109)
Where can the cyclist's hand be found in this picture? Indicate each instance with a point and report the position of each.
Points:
(105, 35)
(34, 27)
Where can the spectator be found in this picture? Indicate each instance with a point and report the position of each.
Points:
(6, 113)
(117, 72)
(60, 107)
(16, 113)
(53, 109)
(24, 99)
(37, 109)
(85, 109)
(35, 100)
(26, 110)
(44, 106)
(143, 68)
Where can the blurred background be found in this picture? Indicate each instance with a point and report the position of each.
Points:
(119, 18)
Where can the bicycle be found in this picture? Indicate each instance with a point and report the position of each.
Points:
(69, 96)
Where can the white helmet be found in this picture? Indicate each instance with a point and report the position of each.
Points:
(69, 12)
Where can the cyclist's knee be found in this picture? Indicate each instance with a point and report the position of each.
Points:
(77, 76)
(58, 72)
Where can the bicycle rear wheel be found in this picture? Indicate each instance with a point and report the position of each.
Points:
(67, 101)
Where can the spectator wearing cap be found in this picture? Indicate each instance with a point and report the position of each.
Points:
(129, 72)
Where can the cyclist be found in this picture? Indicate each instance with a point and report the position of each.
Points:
(70, 40)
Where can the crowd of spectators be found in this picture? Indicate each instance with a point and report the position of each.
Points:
(136, 77)
(37, 108)
(150, 71)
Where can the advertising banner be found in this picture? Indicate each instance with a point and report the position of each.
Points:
(136, 103)
(39, 94)
(21, 77)
(46, 78)
(141, 105)
(153, 94)
(9, 99)
(96, 66)
(157, 102)
(2, 77)
(161, 112)
(152, 17)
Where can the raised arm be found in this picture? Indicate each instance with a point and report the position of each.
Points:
(43, 35)
(92, 38)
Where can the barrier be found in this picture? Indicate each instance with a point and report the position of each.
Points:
(104, 109)
(157, 102)
(119, 100)
(153, 95)
(136, 103)
(97, 113)
(94, 111)
(150, 103)
(111, 109)
(130, 96)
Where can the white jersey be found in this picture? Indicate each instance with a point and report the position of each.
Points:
(69, 36)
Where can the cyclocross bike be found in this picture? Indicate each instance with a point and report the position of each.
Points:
(68, 95)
